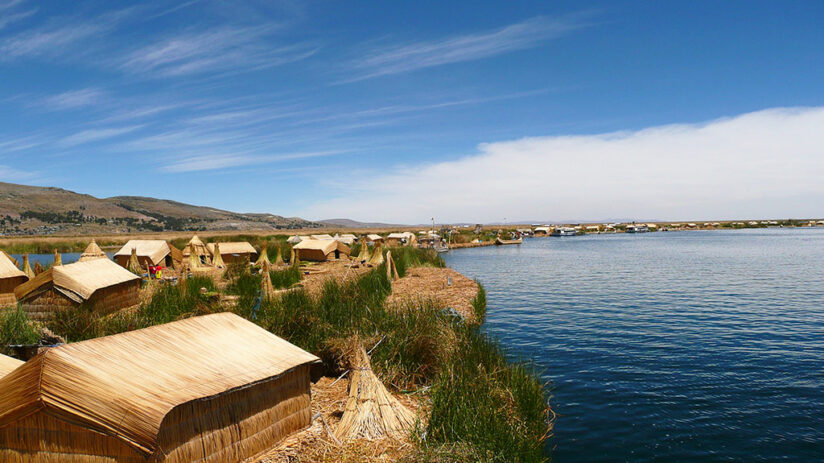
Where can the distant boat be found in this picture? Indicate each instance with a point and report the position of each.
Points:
(637, 229)
(564, 231)
(441, 248)
(501, 242)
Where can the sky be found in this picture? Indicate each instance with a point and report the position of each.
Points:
(405, 111)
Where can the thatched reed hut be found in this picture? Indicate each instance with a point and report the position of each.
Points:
(320, 250)
(324, 236)
(230, 391)
(199, 250)
(374, 239)
(8, 364)
(401, 239)
(149, 253)
(92, 252)
(99, 283)
(231, 252)
(10, 278)
(347, 238)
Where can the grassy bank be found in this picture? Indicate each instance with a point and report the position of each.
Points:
(481, 407)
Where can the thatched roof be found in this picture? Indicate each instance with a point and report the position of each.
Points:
(295, 239)
(79, 280)
(326, 246)
(374, 237)
(92, 252)
(8, 364)
(196, 246)
(322, 237)
(7, 267)
(124, 385)
(241, 247)
(155, 250)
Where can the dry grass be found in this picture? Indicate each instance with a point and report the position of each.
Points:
(429, 283)
(314, 275)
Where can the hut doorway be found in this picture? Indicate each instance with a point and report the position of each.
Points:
(337, 254)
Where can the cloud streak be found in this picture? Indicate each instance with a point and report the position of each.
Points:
(726, 168)
(74, 99)
(222, 161)
(93, 135)
(229, 48)
(398, 59)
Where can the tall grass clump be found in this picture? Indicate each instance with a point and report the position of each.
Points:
(483, 401)
(479, 304)
(16, 329)
(286, 277)
(409, 256)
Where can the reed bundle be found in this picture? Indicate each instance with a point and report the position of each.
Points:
(279, 258)
(217, 260)
(363, 255)
(134, 263)
(377, 256)
(57, 259)
(38, 268)
(371, 412)
(267, 290)
(263, 260)
(27, 267)
(391, 268)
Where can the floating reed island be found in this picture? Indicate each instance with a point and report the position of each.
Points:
(260, 349)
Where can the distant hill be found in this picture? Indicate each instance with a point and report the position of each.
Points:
(27, 210)
(348, 223)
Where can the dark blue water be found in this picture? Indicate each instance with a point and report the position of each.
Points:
(677, 346)
(48, 259)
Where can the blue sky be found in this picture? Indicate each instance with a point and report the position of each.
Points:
(401, 111)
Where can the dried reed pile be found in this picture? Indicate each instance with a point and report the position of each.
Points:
(377, 256)
(371, 411)
(263, 260)
(27, 268)
(217, 260)
(134, 264)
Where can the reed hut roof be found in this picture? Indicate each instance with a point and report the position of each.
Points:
(7, 267)
(374, 237)
(349, 235)
(196, 245)
(155, 250)
(326, 246)
(295, 239)
(124, 385)
(241, 247)
(322, 237)
(79, 280)
(8, 364)
(92, 252)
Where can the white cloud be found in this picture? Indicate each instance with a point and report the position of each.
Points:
(74, 99)
(55, 37)
(763, 164)
(222, 161)
(10, 174)
(404, 58)
(93, 135)
(7, 19)
(227, 49)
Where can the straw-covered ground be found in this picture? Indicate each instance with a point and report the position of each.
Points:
(465, 399)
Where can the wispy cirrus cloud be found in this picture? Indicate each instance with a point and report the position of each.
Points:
(55, 37)
(198, 163)
(236, 49)
(7, 19)
(396, 59)
(74, 99)
(92, 135)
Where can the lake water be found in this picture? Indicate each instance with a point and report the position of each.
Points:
(48, 259)
(676, 346)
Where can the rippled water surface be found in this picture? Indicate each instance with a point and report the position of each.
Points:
(677, 346)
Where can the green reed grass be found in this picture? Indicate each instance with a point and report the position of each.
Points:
(15, 328)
